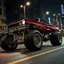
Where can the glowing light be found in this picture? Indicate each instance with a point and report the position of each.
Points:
(28, 3)
(23, 22)
(47, 12)
(59, 14)
(21, 6)
(49, 19)
(54, 14)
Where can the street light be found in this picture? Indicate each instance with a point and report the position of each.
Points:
(28, 3)
(47, 13)
(57, 17)
(54, 14)
(21, 6)
(24, 6)
(57, 14)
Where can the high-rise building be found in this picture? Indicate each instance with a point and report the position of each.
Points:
(2, 11)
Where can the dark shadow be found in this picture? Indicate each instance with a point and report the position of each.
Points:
(20, 50)
(25, 51)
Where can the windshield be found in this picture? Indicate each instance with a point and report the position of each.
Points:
(41, 20)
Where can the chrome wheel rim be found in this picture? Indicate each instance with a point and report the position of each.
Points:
(11, 44)
(37, 40)
(60, 38)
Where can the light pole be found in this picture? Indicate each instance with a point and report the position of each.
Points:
(24, 12)
(24, 6)
(47, 13)
(58, 19)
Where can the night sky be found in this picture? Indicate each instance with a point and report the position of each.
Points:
(46, 5)
(52, 5)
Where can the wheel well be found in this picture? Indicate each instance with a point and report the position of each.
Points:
(32, 27)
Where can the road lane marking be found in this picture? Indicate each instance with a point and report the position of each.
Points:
(33, 56)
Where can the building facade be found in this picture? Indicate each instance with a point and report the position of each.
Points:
(2, 11)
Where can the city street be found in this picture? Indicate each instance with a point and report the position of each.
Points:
(47, 55)
(26, 23)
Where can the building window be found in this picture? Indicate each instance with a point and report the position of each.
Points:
(0, 11)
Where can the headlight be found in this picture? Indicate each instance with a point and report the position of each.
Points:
(23, 22)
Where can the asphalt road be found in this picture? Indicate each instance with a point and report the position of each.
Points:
(47, 55)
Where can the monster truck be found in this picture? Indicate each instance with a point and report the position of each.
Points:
(31, 33)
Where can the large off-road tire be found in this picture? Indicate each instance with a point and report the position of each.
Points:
(56, 39)
(1, 37)
(33, 40)
(7, 43)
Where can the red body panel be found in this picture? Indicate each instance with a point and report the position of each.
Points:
(43, 27)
